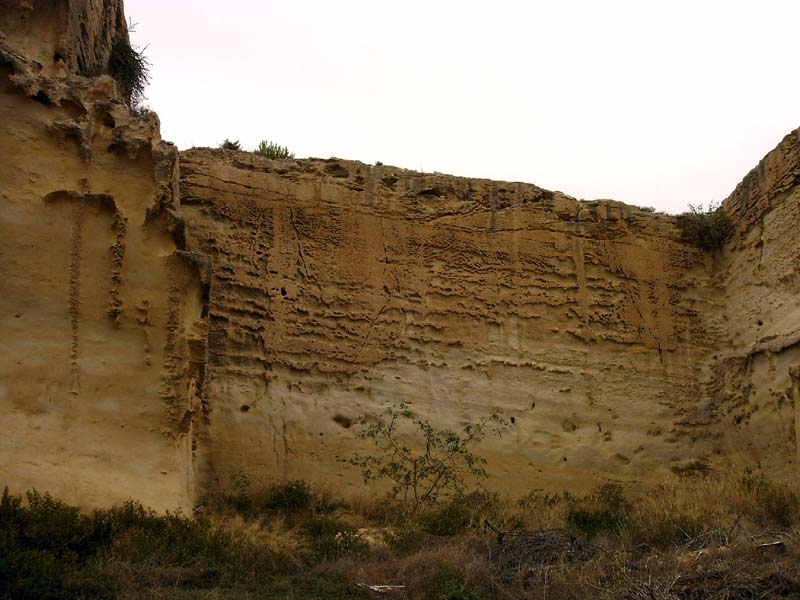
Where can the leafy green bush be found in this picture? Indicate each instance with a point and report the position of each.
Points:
(602, 511)
(452, 586)
(708, 229)
(291, 495)
(273, 150)
(286, 497)
(332, 538)
(230, 145)
(458, 515)
(131, 70)
(44, 545)
(48, 549)
(448, 520)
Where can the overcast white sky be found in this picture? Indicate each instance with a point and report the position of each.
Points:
(652, 103)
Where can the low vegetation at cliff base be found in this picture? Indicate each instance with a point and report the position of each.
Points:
(705, 536)
(707, 228)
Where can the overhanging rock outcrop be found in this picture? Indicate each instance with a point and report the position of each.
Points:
(103, 341)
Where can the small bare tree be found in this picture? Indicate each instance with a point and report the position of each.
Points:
(434, 467)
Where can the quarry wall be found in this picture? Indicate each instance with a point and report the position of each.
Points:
(173, 321)
(339, 287)
(751, 400)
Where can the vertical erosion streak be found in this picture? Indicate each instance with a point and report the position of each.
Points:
(75, 291)
(580, 277)
(118, 258)
(171, 369)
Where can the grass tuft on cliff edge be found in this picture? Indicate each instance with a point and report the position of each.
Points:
(130, 69)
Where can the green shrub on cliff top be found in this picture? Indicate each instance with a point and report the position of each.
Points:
(230, 145)
(273, 150)
(708, 229)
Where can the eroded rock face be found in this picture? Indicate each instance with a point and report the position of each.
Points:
(103, 349)
(338, 287)
(617, 351)
(59, 35)
(751, 405)
(219, 313)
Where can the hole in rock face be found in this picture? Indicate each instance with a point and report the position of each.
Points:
(390, 181)
(760, 323)
(430, 193)
(6, 64)
(283, 292)
(244, 407)
(43, 98)
(513, 420)
(337, 170)
(57, 57)
(345, 422)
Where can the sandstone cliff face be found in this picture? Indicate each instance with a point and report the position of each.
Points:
(59, 35)
(219, 313)
(338, 287)
(100, 312)
(752, 400)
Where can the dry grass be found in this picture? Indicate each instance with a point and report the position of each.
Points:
(424, 569)
(272, 536)
(696, 537)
